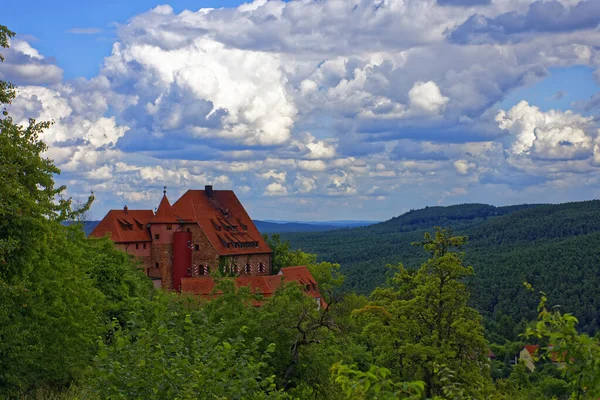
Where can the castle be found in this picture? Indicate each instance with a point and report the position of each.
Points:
(203, 231)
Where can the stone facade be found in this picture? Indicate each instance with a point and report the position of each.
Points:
(223, 237)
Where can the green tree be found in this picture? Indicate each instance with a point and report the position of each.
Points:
(54, 295)
(420, 327)
(577, 354)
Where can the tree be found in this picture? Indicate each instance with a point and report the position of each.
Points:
(577, 354)
(420, 327)
(54, 301)
(7, 92)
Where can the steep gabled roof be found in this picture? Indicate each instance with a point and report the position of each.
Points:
(223, 219)
(125, 226)
(164, 214)
(531, 348)
(299, 274)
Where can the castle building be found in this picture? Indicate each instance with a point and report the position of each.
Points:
(202, 232)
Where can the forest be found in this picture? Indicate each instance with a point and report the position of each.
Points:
(554, 247)
(80, 320)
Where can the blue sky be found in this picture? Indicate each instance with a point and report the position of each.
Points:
(338, 109)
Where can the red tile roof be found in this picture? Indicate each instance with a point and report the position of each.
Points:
(164, 214)
(125, 226)
(532, 348)
(224, 220)
(265, 285)
(300, 274)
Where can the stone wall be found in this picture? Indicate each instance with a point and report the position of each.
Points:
(162, 254)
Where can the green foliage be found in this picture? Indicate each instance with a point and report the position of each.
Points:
(57, 289)
(325, 273)
(578, 355)
(182, 356)
(7, 90)
(375, 384)
(420, 325)
(555, 247)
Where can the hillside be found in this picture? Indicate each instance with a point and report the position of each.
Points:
(554, 247)
(270, 227)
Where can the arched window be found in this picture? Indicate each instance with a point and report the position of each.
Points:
(261, 268)
(248, 268)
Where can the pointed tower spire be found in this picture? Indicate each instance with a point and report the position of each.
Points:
(164, 214)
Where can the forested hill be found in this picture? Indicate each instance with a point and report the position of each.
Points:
(556, 248)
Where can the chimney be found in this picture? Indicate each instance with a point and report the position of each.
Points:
(208, 190)
(125, 209)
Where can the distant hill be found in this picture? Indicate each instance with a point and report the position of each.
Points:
(556, 248)
(271, 227)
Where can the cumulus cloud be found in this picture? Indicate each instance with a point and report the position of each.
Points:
(553, 135)
(24, 65)
(426, 97)
(305, 184)
(312, 165)
(274, 175)
(386, 100)
(542, 16)
(463, 166)
(275, 189)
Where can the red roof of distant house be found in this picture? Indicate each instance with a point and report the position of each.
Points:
(223, 219)
(532, 348)
(164, 214)
(125, 226)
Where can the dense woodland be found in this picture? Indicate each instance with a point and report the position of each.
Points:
(79, 320)
(554, 247)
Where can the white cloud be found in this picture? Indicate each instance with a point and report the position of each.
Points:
(312, 165)
(305, 184)
(272, 174)
(463, 166)
(234, 93)
(23, 64)
(275, 189)
(553, 135)
(321, 93)
(426, 97)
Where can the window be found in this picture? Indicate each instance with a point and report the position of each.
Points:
(169, 227)
(156, 265)
(137, 246)
(197, 247)
(261, 268)
(156, 236)
(248, 268)
(144, 246)
(188, 229)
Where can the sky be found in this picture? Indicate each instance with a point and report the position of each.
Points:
(313, 109)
